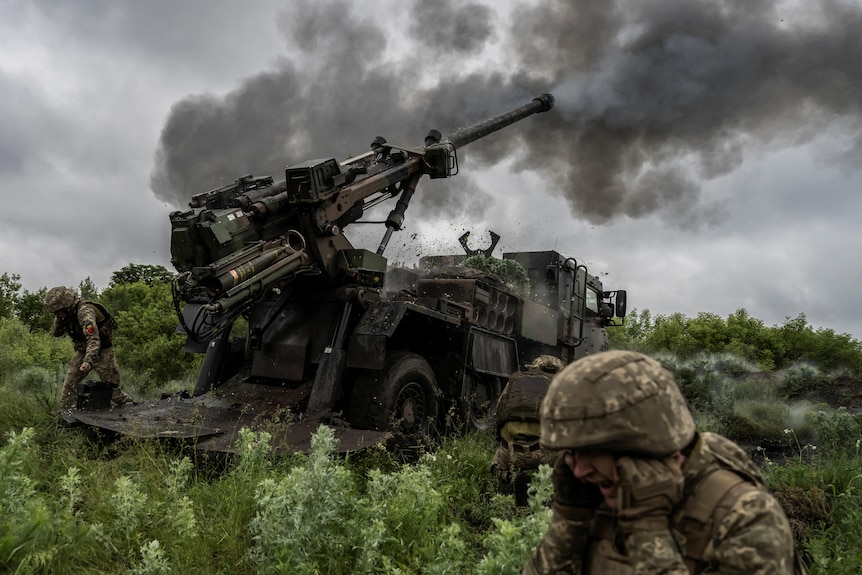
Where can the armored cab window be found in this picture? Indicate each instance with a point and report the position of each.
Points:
(592, 302)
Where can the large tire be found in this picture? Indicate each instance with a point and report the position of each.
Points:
(479, 404)
(401, 398)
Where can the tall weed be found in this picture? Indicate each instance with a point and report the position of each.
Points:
(293, 512)
(509, 544)
(35, 532)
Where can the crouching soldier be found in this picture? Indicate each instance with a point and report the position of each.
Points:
(90, 326)
(519, 451)
(638, 490)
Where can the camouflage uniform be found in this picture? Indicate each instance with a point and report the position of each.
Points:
(90, 326)
(517, 425)
(722, 520)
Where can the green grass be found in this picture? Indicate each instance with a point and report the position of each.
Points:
(73, 502)
(77, 503)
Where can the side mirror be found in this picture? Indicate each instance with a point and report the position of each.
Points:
(620, 303)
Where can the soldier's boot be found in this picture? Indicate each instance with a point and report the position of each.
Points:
(521, 486)
(120, 397)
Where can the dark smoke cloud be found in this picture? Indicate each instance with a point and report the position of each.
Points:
(654, 97)
(672, 86)
(458, 27)
(331, 100)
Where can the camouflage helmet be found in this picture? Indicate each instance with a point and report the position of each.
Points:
(547, 363)
(59, 298)
(616, 401)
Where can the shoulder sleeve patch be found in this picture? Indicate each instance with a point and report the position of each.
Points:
(89, 329)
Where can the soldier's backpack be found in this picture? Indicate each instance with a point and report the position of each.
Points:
(522, 397)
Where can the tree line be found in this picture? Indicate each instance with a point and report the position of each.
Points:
(139, 298)
(769, 347)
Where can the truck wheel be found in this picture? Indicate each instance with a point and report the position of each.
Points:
(401, 398)
(479, 405)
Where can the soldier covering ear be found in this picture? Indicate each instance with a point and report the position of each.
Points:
(675, 500)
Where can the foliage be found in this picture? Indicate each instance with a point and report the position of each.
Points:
(71, 504)
(88, 290)
(149, 350)
(837, 431)
(410, 519)
(21, 349)
(9, 287)
(824, 506)
(34, 530)
(146, 340)
(509, 545)
(31, 311)
(774, 347)
(140, 273)
(511, 272)
(26, 306)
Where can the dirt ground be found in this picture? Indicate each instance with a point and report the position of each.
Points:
(845, 393)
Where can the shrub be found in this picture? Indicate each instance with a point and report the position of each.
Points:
(36, 379)
(800, 379)
(837, 431)
(21, 349)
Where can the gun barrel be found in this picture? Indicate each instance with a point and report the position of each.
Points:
(472, 133)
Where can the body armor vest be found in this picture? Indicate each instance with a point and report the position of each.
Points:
(105, 323)
(707, 503)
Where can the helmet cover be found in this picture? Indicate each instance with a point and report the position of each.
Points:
(59, 298)
(547, 363)
(619, 401)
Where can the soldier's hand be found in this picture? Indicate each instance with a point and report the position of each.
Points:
(85, 366)
(573, 498)
(649, 491)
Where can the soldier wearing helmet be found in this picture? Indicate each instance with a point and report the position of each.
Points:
(638, 490)
(91, 327)
(517, 421)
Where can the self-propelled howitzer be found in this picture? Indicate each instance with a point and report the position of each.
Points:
(335, 337)
(227, 249)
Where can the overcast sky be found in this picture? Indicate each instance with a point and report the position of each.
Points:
(704, 155)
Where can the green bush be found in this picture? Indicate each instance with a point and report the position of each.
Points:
(20, 349)
(837, 431)
(146, 340)
(768, 347)
(37, 379)
(35, 531)
(758, 421)
(802, 378)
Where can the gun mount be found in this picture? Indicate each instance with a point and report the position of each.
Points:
(336, 336)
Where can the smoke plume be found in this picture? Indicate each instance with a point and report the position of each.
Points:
(654, 97)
